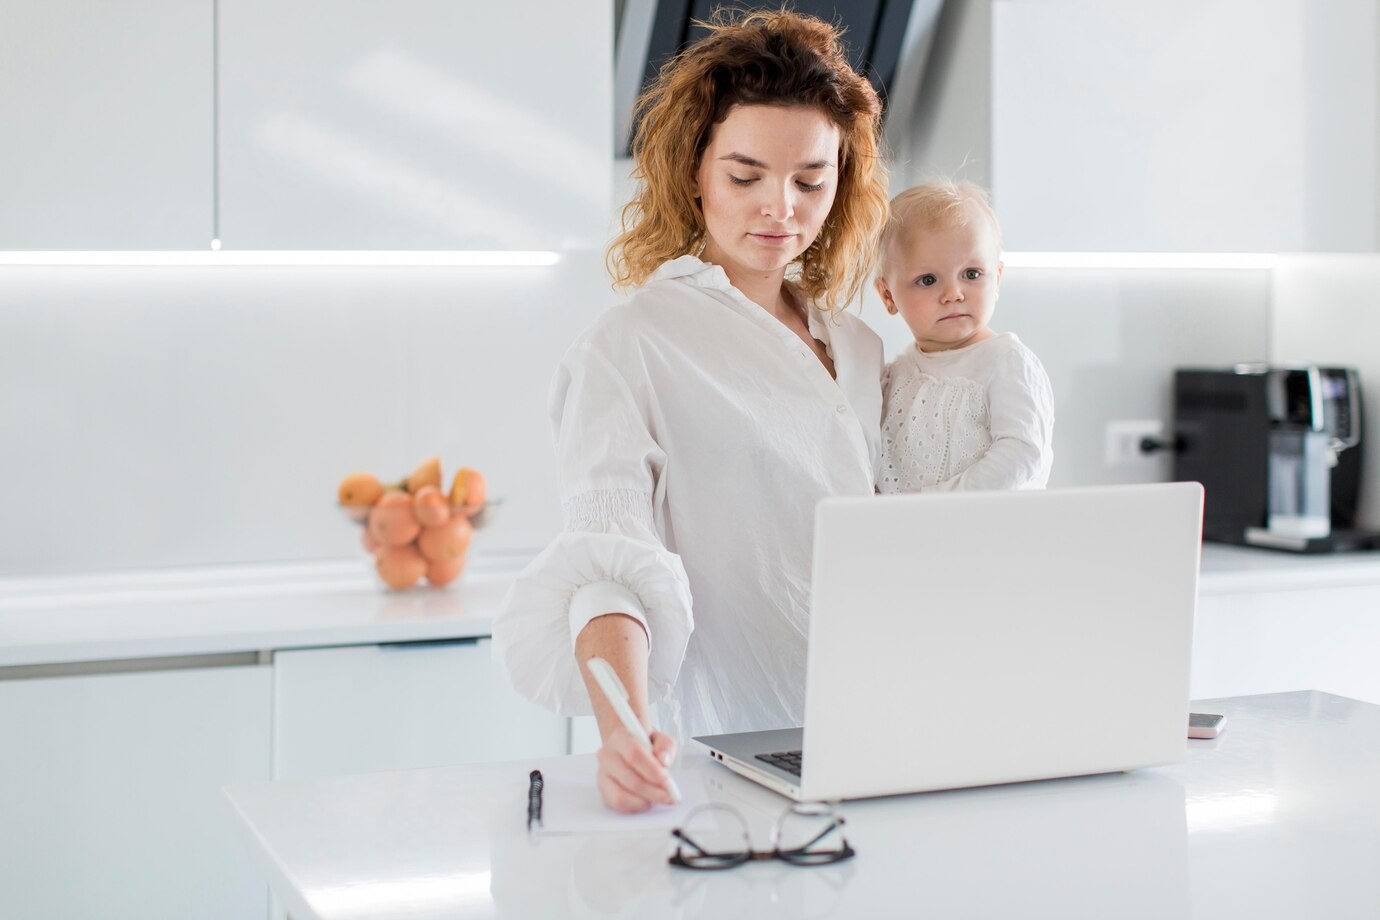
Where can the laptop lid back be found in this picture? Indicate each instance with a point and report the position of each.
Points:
(974, 638)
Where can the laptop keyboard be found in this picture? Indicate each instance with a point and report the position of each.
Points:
(786, 760)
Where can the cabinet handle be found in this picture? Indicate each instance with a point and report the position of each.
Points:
(430, 643)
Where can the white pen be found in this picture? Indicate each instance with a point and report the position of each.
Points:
(617, 695)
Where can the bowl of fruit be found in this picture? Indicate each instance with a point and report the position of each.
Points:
(412, 529)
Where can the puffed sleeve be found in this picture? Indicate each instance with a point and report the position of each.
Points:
(1020, 406)
(610, 558)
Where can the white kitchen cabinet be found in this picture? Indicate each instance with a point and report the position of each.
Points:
(106, 111)
(1185, 125)
(110, 794)
(420, 124)
(1269, 641)
(357, 709)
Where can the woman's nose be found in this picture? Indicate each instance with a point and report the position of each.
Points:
(778, 204)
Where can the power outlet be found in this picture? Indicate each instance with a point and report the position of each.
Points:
(1123, 440)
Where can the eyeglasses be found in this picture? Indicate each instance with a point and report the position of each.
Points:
(715, 836)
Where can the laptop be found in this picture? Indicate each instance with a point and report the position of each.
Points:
(970, 639)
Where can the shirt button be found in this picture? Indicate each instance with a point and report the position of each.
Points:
(841, 408)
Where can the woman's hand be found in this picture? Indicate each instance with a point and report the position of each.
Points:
(632, 779)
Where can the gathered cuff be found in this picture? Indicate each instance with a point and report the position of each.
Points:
(599, 598)
(532, 635)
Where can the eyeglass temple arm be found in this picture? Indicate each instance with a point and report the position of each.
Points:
(833, 825)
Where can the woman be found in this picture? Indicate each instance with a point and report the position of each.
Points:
(698, 423)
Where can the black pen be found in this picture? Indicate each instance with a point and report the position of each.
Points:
(534, 787)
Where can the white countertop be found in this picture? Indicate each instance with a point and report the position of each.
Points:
(1279, 817)
(235, 610)
(1241, 570)
(240, 609)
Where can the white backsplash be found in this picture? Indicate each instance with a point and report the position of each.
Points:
(193, 416)
(197, 416)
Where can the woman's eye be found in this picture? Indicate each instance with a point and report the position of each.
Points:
(740, 181)
(926, 280)
(972, 274)
(817, 187)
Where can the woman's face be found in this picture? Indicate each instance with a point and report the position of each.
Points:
(766, 183)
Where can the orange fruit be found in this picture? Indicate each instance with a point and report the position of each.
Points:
(357, 492)
(400, 566)
(370, 544)
(427, 474)
(468, 490)
(392, 522)
(429, 504)
(448, 541)
(441, 574)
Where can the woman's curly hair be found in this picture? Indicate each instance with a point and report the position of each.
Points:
(760, 58)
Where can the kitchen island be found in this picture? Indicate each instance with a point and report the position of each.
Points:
(1277, 817)
(129, 700)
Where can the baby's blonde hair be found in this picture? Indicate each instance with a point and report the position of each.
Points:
(938, 205)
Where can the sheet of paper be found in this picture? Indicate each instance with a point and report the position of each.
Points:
(571, 805)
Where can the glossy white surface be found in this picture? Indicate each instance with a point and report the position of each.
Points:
(421, 124)
(238, 609)
(1242, 570)
(1278, 817)
(109, 792)
(107, 114)
(234, 610)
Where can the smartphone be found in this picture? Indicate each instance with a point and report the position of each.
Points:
(1205, 724)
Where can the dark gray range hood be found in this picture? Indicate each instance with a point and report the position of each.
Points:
(888, 40)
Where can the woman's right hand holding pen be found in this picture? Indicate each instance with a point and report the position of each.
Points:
(631, 778)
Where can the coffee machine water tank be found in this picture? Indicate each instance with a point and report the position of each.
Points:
(1302, 456)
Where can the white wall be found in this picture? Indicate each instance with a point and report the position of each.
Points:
(1325, 311)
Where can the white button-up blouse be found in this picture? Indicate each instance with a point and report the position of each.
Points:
(694, 434)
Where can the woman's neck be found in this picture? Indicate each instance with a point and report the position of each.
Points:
(766, 289)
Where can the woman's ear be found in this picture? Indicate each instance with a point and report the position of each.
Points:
(885, 292)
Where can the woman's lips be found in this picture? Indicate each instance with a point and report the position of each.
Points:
(772, 239)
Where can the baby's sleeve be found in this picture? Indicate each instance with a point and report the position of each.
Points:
(1020, 407)
(610, 557)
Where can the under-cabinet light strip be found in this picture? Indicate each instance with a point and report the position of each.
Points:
(1139, 259)
(324, 257)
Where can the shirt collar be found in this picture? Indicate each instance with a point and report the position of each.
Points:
(693, 270)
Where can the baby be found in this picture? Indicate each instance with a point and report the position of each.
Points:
(966, 407)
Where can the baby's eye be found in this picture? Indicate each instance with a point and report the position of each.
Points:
(926, 280)
(972, 274)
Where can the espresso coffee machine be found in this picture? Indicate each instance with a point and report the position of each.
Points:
(1278, 451)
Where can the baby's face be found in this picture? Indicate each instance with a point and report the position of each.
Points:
(944, 283)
